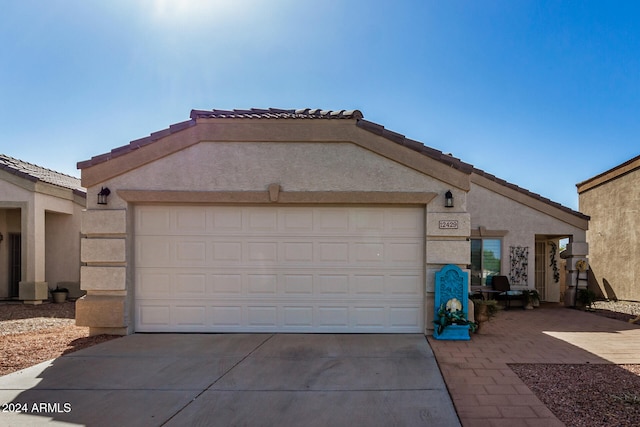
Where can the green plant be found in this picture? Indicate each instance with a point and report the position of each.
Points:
(485, 307)
(530, 296)
(453, 317)
(586, 297)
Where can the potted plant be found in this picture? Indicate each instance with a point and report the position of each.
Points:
(484, 309)
(452, 316)
(530, 299)
(535, 298)
(59, 294)
(586, 298)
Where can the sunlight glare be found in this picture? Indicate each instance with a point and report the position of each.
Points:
(166, 11)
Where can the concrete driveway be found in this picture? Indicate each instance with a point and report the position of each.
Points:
(235, 379)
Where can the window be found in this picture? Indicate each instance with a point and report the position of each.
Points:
(485, 260)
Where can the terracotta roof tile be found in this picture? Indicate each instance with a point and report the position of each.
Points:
(135, 144)
(531, 194)
(35, 173)
(277, 113)
(415, 145)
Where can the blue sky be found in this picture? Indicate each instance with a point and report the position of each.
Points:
(544, 94)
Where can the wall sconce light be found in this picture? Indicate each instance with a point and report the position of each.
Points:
(448, 200)
(102, 195)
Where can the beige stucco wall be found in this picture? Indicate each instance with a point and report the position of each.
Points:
(48, 220)
(522, 223)
(614, 235)
(62, 247)
(252, 166)
(297, 167)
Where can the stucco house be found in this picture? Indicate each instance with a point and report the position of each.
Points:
(300, 221)
(612, 199)
(40, 215)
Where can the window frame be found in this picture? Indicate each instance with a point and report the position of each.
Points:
(481, 234)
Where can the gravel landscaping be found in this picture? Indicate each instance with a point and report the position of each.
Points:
(579, 395)
(590, 395)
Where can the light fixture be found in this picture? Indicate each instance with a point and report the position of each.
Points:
(448, 200)
(102, 195)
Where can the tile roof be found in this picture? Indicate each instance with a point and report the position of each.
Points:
(529, 193)
(400, 139)
(277, 113)
(308, 113)
(458, 164)
(34, 173)
(253, 113)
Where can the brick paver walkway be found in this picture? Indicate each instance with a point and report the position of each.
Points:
(487, 393)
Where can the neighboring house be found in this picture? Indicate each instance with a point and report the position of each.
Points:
(299, 221)
(39, 230)
(612, 199)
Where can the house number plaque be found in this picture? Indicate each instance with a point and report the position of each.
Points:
(448, 224)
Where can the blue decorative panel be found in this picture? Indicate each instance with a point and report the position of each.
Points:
(452, 282)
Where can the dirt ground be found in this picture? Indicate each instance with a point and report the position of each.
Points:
(33, 334)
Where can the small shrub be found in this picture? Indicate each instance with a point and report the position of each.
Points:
(586, 297)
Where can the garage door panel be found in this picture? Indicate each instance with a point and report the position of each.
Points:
(404, 253)
(262, 316)
(297, 284)
(297, 252)
(333, 252)
(404, 284)
(153, 284)
(191, 253)
(226, 284)
(333, 317)
(227, 252)
(368, 284)
(367, 317)
(295, 269)
(152, 316)
(261, 284)
(190, 285)
(403, 317)
(279, 316)
(153, 251)
(368, 220)
(333, 284)
(190, 221)
(403, 223)
(297, 316)
(298, 222)
(227, 316)
(190, 315)
(225, 220)
(293, 283)
(262, 220)
(370, 253)
(262, 251)
(152, 221)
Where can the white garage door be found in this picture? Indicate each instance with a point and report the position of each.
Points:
(279, 269)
